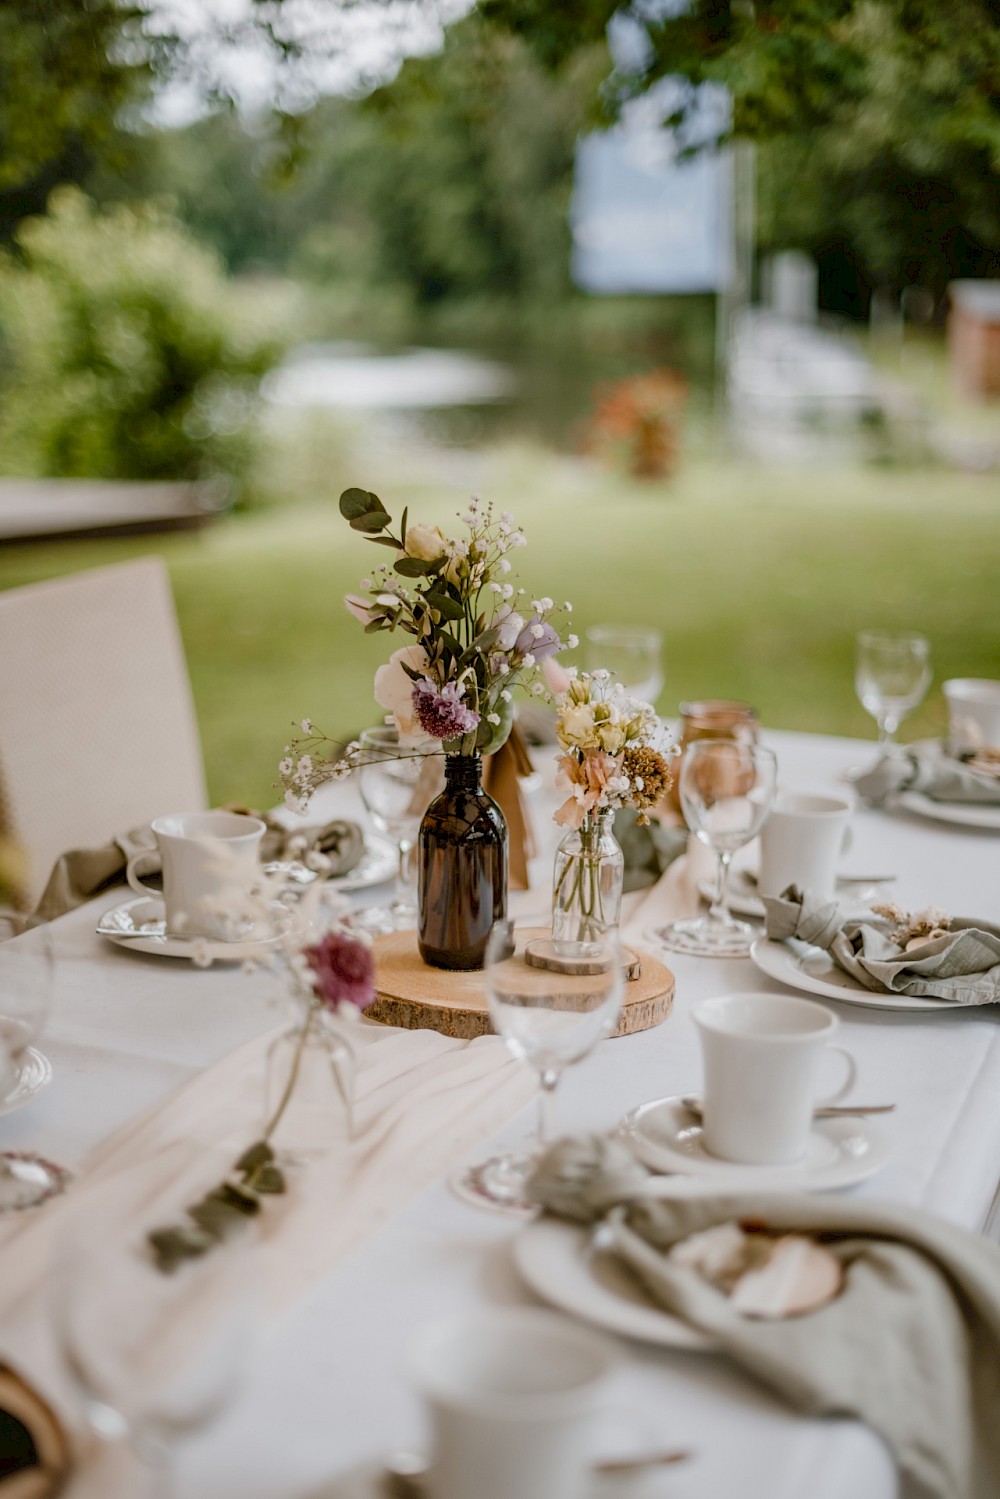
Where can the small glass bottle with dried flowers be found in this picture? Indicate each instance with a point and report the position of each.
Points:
(311, 1065)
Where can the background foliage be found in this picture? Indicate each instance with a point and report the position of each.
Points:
(123, 354)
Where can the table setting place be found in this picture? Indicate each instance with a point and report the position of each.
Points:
(555, 1106)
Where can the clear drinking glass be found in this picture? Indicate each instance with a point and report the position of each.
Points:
(632, 653)
(892, 675)
(549, 1020)
(27, 984)
(396, 785)
(727, 789)
(155, 1357)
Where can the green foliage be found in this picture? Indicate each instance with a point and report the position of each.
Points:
(69, 67)
(123, 353)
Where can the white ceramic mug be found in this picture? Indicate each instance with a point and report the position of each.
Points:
(762, 1054)
(802, 842)
(510, 1392)
(973, 713)
(204, 856)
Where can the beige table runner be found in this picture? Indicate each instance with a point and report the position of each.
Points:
(423, 1103)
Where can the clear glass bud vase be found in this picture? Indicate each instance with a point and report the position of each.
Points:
(587, 886)
(309, 1105)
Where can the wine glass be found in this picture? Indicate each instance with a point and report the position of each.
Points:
(631, 654)
(549, 1020)
(726, 789)
(155, 1356)
(396, 785)
(27, 983)
(892, 675)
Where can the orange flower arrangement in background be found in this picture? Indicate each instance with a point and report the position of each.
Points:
(642, 416)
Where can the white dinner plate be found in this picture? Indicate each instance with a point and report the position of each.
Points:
(967, 816)
(841, 1151)
(811, 970)
(743, 899)
(33, 1074)
(139, 924)
(558, 1262)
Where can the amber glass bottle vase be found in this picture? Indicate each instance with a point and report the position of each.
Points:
(461, 868)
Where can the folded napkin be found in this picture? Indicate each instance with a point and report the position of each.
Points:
(932, 772)
(911, 1346)
(962, 965)
(81, 873)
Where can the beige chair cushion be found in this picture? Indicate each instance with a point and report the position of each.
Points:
(97, 724)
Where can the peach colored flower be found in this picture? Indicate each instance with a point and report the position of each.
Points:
(588, 779)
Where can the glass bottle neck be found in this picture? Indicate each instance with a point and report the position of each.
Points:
(462, 772)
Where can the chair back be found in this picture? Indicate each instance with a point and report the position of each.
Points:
(97, 723)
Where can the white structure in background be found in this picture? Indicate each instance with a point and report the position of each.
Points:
(796, 391)
(358, 377)
(645, 218)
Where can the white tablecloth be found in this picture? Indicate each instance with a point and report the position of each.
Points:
(331, 1391)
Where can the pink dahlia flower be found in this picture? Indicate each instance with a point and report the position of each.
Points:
(344, 971)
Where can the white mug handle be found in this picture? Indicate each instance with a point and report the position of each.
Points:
(148, 856)
(847, 839)
(848, 1083)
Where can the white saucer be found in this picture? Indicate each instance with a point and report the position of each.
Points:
(966, 815)
(811, 970)
(139, 925)
(665, 1136)
(379, 862)
(744, 900)
(560, 1264)
(33, 1074)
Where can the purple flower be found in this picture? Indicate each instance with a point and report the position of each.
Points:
(539, 645)
(441, 711)
(344, 971)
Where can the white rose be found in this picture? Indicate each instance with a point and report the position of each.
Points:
(427, 543)
(576, 725)
(394, 691)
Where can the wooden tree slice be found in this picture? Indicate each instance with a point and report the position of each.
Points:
(412, 995)
(541, 953)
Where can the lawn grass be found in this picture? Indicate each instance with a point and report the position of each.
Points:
(759, 580)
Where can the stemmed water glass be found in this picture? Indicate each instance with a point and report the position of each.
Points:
(156, 1357)
(549, 1020)
(892, 675)
(395, 789)
(726, 790)
(631, 654)
(27, 982)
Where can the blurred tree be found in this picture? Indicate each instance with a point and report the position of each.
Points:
(122, 354)
(453, 180)
(885, 114)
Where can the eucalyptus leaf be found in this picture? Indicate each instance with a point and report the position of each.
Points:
(269, 1179)
(372, 521)
(355, 502)
(242, 1197)
(385, 541)
(216, 1217)
(417, 567)
(171, 1246)
(402, 525)
(490, 736)
(255, 1155)
(445, 606)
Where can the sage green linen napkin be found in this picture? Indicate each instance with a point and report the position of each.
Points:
(932, 772)
(911, 1346)
(81, 873)
(963, 965)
